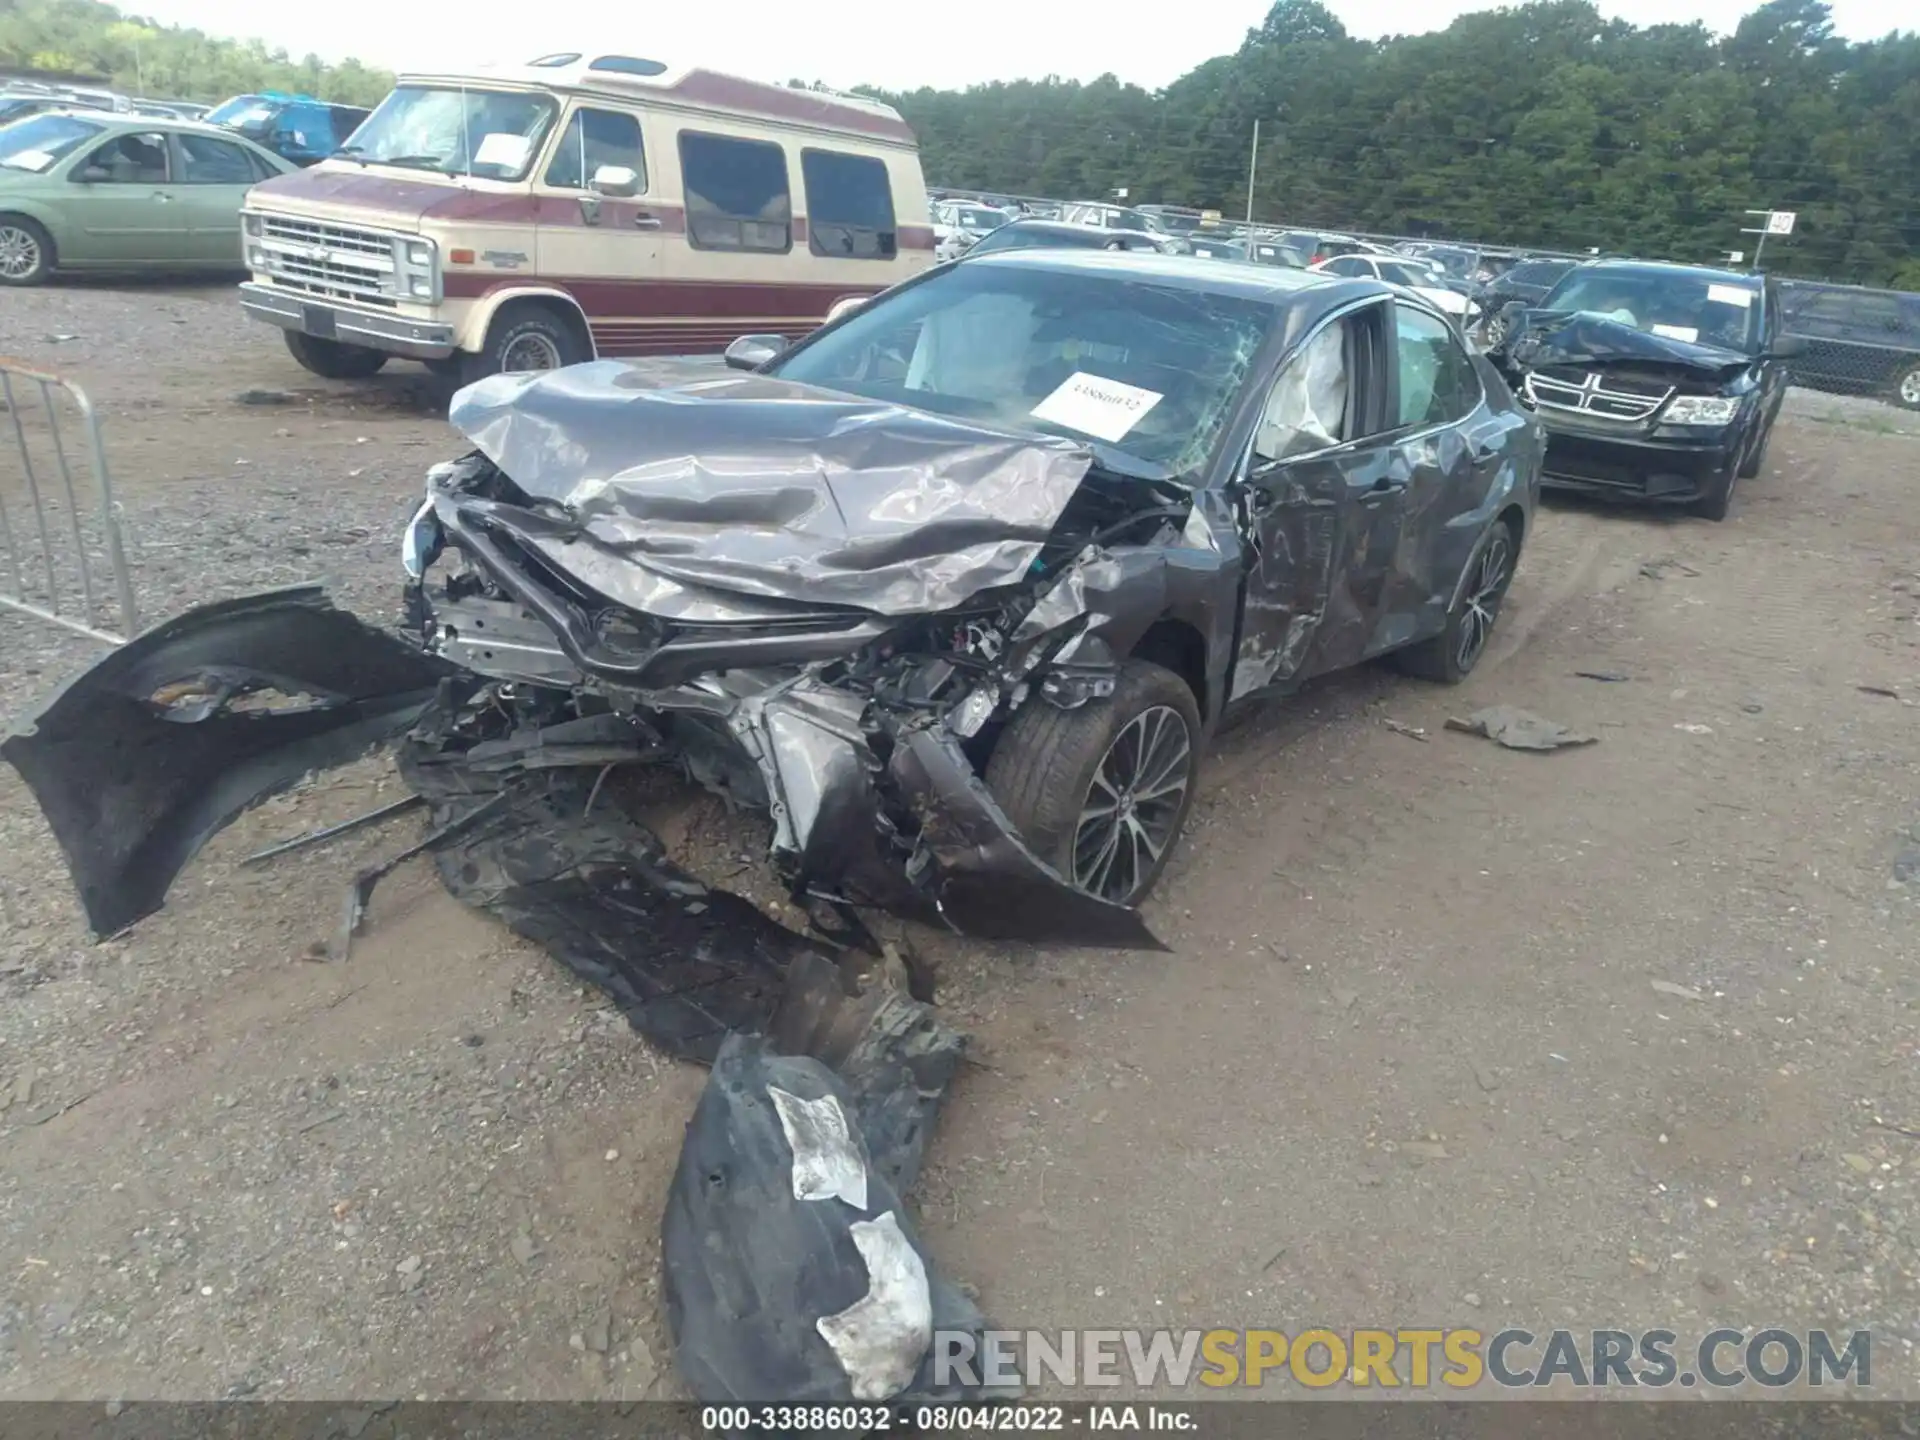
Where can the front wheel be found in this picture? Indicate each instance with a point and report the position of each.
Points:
(1101, 792)
(26, 251)
(331, 360)
(1906, 385)
(527, 336)
(1450, 656)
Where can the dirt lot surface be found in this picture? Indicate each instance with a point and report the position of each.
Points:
(1450, 1034)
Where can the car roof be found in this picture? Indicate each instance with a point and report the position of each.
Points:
(1662, 267)
(1267, 284)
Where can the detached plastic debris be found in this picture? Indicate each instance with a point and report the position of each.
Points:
(1519, 729)
(793, 1272)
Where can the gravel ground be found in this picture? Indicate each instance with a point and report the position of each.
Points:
(1623, 1035)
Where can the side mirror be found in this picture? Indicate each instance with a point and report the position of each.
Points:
(844, 306)
(750, 352)
(617, 182)
(1788, 347)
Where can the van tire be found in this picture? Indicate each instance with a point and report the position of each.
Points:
(525, 330)
(331, 360)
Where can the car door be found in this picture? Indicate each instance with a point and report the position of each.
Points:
(1451, 447)
(1322, 490)
(1835, 357)
(125, 207)
(212, 178)
(607, 248)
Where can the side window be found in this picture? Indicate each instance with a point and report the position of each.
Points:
(206, 161)
(1346, 265)
(262, 170)
(1307, 409)
(594, 138)
(849, 205)
(129, 160)
(737, 196)
(1437, 380)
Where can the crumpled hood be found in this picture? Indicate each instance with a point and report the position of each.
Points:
(1545, 337)
(691, 478)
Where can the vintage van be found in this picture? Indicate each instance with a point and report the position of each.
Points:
(583, 205)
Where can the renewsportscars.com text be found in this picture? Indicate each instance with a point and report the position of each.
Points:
(1458, 1359)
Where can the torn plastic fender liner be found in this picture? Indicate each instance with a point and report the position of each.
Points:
(134, 780)
(788, 1279)
(985, 879)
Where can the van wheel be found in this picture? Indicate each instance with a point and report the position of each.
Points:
(26, 251)
(527, 335)
(331, 360)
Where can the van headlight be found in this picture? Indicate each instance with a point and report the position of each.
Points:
(416, 269)
(252, 224)
(1700, 410)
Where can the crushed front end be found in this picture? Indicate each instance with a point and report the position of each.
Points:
(846, 675)
(1630, 413)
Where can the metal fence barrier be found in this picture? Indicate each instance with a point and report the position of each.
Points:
(53, 549)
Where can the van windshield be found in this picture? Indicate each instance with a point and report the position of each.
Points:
(494, 134)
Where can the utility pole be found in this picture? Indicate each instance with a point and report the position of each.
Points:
(1253, 167)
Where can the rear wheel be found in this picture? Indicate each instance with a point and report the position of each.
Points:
(1101, 792)
(527, 335)
(26, 251)
(331, 360)
(1450, 656)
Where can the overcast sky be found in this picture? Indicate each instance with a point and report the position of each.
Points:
(898, 46)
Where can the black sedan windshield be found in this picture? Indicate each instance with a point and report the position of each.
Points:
(1149, 371)
(1678, 304)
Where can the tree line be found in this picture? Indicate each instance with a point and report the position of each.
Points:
(1540, 125)
(83, 40)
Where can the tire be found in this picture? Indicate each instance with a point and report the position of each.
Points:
(1449, 657)
(1756, 455)
(1044, 769)
(26, 251)
(1715, 504)
(331, 360)
(524, 331)
(1906, 385)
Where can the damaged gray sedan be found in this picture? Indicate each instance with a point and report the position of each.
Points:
(954, 590)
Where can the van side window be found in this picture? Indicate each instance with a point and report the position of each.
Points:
(594, 138)
(737, 196)
(849, 205)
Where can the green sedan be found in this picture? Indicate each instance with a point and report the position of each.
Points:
(84, 191)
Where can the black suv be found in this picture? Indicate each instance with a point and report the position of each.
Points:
(1859, 341)
(1655, 382)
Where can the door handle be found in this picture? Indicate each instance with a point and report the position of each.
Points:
(1386, 485)
(646, 222)
(163, 197)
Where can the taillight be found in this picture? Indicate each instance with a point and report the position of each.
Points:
(1316, 259)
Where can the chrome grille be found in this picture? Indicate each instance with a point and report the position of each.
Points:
(1593, 394)
(335, 261)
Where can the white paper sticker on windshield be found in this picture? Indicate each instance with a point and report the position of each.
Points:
(505, 150)
(1104, 409)
(34, 160)
(1729, 295)
(1676, 332)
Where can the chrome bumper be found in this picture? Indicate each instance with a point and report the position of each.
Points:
(395, 334)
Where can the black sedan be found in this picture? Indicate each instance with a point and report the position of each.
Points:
(955, 589)
(1655, 382)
